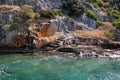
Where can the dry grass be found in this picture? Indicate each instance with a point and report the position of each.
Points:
(8, 8)
(106, 26)
(97, 33)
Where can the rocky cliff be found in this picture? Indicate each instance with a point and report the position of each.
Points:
(37, 32)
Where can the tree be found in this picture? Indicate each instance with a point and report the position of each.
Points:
(73, 7)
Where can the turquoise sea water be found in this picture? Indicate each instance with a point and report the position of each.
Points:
(19, 67)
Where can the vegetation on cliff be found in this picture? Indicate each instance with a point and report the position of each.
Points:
(117, 23)
(92, 15)
(27, 12)
(73, 7)
(84, 14)
(50, 14)
(111, 7)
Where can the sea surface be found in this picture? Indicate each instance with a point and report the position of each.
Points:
(22, 67)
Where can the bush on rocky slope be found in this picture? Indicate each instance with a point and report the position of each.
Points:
(115, 14)
(13, 26)
(109, 35)
(91, 14)
(73, 7)
(111, 7)
(49, 14)
(117, 23)
(27, 12)
(106, 5)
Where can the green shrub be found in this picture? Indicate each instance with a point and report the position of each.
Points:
(13, 26)
(111, 7)
(73, 7)
(99, 22)
(117, 23)
(115, 14)
(91, 14)
(96, 5)
(49, 14)
(106, 5)
(103, 9)
(91, 1)
(100, 3)
(59, 12)
(110, 35)
(37, 15)
(26, 9)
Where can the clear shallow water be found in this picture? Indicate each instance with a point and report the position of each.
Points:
(18, 67)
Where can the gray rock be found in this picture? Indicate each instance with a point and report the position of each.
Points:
(91, 7)
(7, 17)
(3, 34)
(85, 22)
(116, 34)
(63, 24)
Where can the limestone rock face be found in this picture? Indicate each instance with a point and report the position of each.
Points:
(39, 33)
(9, 38)
(7, 18)
(87, 22)
(91, 7)
(63, 24)
(43, 33)
(33, 35)
(116, 34)
(8, 13)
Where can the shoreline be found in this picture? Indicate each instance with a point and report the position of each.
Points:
(68, 52)
(80, 47)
